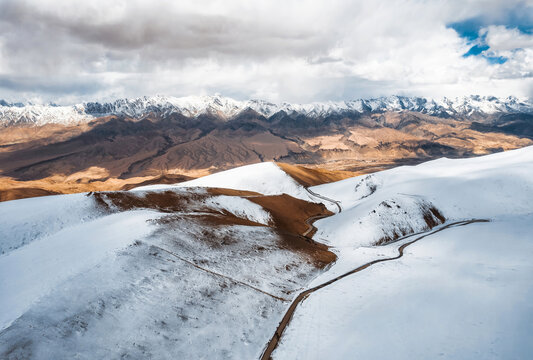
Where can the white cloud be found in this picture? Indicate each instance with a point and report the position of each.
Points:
(502, 38)
(67, 51)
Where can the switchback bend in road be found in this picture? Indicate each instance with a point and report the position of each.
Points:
(336, 202)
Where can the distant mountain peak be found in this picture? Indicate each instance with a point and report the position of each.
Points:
(225, 107)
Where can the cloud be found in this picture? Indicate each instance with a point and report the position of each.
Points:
(501, 38)
(66, 51)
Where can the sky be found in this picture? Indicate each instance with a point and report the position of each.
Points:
(69, 51)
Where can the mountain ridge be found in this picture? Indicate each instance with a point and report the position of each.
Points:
(228, 108)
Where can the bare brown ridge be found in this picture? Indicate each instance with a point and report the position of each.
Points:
(273, 343)
(93, 179)
(312, 177)
(290, 215)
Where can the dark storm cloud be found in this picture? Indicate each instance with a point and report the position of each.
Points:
(156, 29)
(51, 86)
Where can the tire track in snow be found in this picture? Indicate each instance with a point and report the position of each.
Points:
(272, 344)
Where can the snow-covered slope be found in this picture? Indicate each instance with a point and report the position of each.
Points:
(265, 178)
(227, 108)
(34, 270)
(460, 293)
(147, 274)
(23, 221)
(391, 203)
(463, 293)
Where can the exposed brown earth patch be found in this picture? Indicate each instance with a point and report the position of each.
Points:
(163, 201)
(23, 193)
(93, 179)
(289, 214)
(232, 192)
(311, 177)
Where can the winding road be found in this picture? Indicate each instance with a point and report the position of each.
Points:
(336, 202)
(309, 221)
(272, 344)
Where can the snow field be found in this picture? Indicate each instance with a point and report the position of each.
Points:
(461, 293)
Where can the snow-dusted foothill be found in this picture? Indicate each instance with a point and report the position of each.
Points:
(402, 200)
(265, 178)
(181, 273)
(460, 293)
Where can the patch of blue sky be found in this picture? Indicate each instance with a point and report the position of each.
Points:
(496, 59)
(518, 17)
(480, 50)
(476, 50)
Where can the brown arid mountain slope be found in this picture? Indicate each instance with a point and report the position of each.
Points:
(311, 177)
(115, 152)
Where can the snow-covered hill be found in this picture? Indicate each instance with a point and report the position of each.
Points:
(186, 273)
(460, 293)
(391, 203)
(227, 108)
(264, 178)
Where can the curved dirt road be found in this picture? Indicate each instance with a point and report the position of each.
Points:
(310, 227)
(336, 202)
(272, 344)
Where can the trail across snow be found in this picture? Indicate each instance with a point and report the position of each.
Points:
(458, 294)
(278, 335)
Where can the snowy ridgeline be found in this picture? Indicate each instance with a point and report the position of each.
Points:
(193, 106)
(265, 178)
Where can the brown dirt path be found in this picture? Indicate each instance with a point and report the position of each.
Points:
(273, 343)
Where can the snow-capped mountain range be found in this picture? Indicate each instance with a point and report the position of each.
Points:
(225, 107)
